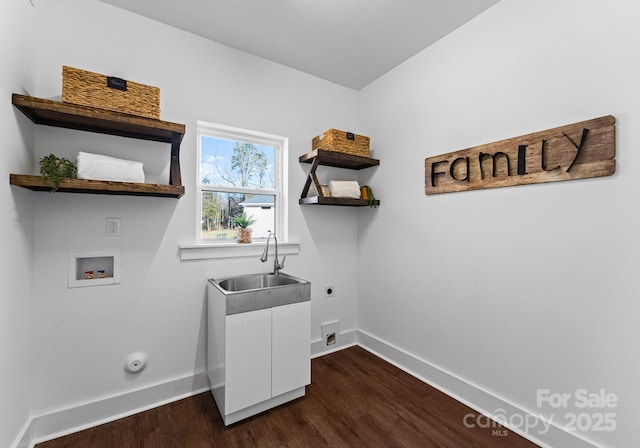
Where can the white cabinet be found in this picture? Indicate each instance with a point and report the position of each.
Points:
(248, 360)
(258, 359)
(290, 347)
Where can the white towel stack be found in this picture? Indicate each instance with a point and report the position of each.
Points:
(98, 167)
(344, 189)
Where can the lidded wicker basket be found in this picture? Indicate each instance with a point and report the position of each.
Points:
(342, 141)
(106, 92)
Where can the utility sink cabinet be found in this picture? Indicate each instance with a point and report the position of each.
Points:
(257, 359)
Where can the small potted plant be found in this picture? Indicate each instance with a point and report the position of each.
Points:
(54, 169)
(242, 223)
(367, 194)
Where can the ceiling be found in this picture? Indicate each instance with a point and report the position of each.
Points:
(349, 42)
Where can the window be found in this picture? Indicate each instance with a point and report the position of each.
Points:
(240, 171)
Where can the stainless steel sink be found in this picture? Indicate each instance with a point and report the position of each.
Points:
(244, 293)
(259, 281)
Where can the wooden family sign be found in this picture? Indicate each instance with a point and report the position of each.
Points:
(576, 151)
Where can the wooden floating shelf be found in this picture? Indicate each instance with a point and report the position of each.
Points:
(338, 159)
(335, 159)
(345, 202)
(92, 119)
(37, 183)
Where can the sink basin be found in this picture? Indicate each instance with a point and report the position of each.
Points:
(259, 281)
(251, 292)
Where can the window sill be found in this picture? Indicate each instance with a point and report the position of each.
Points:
(233, 250)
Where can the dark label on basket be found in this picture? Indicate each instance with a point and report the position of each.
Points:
(116, 83)
(351, 136)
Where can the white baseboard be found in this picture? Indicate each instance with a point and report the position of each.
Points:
(25, 437)
(66, 421)
(473, 396)
(345, 339)
(41, 428)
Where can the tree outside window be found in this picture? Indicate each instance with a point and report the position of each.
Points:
(239, 173)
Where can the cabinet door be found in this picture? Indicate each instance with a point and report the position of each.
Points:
(248, 359)
(291, 347)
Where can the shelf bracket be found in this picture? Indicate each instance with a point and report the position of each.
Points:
(312, 178)
(174, 169)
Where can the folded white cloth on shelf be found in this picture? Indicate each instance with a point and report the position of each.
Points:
(344, 189)
(99, 167)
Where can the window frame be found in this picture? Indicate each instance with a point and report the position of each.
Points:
(281, 152)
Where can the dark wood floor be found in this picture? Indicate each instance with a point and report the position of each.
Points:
(355, 400)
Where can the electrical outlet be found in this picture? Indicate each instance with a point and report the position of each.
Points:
(329, 291)
(114, 227)
(330, 332)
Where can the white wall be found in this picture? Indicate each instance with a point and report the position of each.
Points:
(521, 288)
(83, 335)
(16, 75)
(511, 290)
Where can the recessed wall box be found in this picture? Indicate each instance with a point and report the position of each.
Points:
(330, 332)
(94, 268)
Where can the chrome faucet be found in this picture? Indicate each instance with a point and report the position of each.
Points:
(276, 263)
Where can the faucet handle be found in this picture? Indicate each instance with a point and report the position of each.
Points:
(281, 265)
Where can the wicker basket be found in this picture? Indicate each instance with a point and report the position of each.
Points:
(341, 141)
(105, 92)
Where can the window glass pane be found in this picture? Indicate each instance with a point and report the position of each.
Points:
(233, 163)
(219, 209)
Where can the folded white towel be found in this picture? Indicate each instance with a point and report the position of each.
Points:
(344, 189)
(98, 167)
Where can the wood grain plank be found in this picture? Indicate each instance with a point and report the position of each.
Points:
(577, 151)
(338, 159)
(37, 183)
(73, 116)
